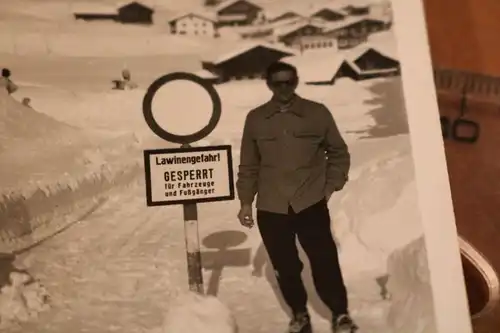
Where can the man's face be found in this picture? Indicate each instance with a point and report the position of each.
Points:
(283, 85)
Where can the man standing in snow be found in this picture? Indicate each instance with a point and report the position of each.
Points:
(127, 80)
(125, 83)
(294, 158)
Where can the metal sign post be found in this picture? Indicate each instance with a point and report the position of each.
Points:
(193, 254)
(187, 175)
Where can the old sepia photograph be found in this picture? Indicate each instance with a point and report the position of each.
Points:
(296, 209)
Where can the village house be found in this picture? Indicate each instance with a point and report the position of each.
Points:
(354, 31)
(305, 35)
(361, 63)
(136, 13)
(208, 76)
(93, 12)
(193, 24)
(357, 10)
(328, 14)
(237, 12)
(250, 61)
(374, 61)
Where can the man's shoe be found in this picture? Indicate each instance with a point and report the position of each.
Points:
(343, 324)
(300, 323)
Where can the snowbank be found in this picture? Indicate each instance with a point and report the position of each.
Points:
(21, 297)
(29, 219)
(193, 313)
(412, 302)
(56, 172)
(18, 122)
(379, 202)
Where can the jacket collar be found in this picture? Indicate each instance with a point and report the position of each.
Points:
(273, 107)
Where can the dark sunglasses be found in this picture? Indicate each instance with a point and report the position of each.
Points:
(287, 83)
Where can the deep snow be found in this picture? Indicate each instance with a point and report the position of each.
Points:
(123, 268)
(143, 248)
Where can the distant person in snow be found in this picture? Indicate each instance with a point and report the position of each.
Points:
(294, 158)
(126, 82)
(26, 102)
(6, 82)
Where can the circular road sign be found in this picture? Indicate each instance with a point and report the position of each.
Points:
(175, 138)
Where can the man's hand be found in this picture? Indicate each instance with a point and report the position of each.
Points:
(245, 216)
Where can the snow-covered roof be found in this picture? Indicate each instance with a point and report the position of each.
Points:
(298, 20)
(387, 48)
(334, 9)
(232, 17)
(245, 47)
(205, 15)
(227, 3)
(204, 74)
(316, 66)
(287, 29)
(143, 3)
(322, 64)
(273, 14)
(347, 22)
(351, 3)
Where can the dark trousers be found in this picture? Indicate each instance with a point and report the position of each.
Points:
(312, 228)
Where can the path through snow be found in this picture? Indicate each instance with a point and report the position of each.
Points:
(119, 269)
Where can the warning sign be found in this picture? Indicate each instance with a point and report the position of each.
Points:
(188, 175)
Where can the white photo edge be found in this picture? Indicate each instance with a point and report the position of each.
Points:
(431, 174)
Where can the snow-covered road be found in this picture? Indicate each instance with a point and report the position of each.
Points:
(119, 269)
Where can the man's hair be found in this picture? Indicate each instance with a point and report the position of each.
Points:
(5, 72)
(280, 66)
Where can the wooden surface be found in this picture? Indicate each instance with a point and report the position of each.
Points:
(465, 34)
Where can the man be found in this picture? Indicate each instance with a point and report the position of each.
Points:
(125, 83)
(6, 82)
(127, 80)
(294, 158)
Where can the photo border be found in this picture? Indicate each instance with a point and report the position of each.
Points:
(431, 174)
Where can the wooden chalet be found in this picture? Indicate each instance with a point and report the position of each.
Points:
(93, 12)
(322, 67)
(374, 61)
(353, 31)
(328, 14)
(136, 13)
(237, 12)
(357, 10)
(304, 35)
(193, 24)
(249, 61)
